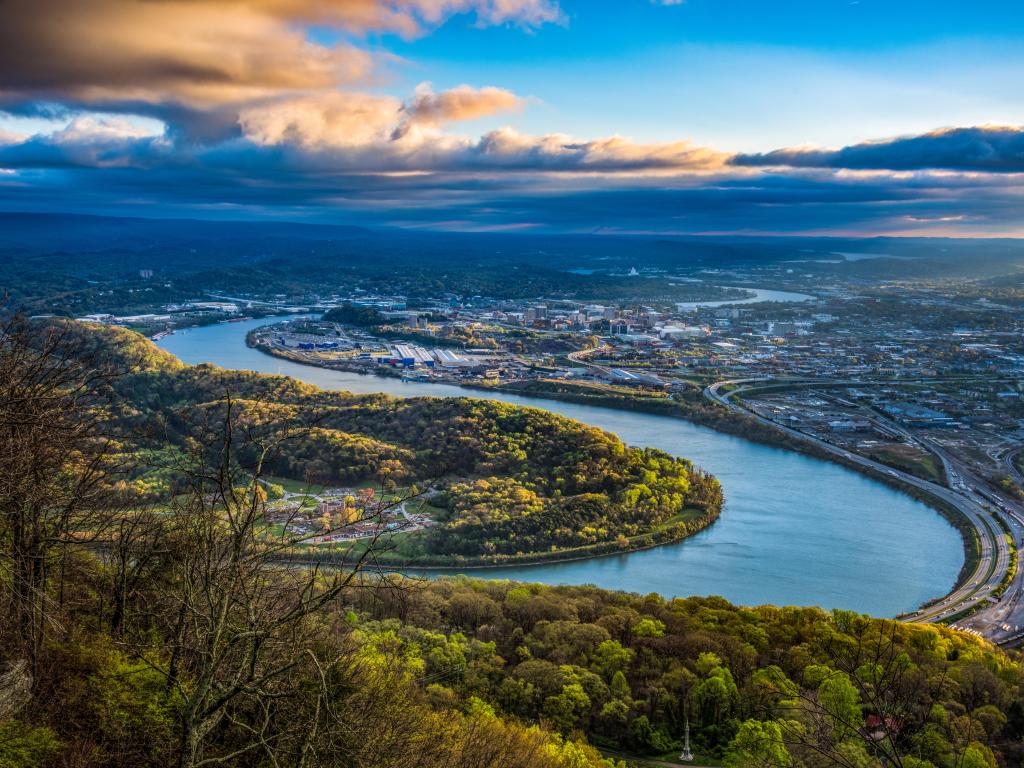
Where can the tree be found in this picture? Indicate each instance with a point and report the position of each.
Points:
(611, 658)
(234, 622)
(644, 736)
(870, 700)
(840, 701)
(716, 694)
(758, 744)
(56, 464)
(648, 627)
(138, 545)
(565, 709)
(620, 687)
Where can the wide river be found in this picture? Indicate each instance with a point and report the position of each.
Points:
(794, 531)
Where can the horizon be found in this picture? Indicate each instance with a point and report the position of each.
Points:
(386, 229)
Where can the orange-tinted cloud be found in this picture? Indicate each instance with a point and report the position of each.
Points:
(342, 138)
(204, 54)
(10, 137)
(355, 132)
(558, 152)
(462, 103)
(410, 17)
(336, 120)
(322, 121)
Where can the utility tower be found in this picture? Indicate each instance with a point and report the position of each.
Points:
(687, 755)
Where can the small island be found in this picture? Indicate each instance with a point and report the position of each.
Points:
(458, 482)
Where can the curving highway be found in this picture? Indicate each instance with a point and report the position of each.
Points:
(975, 594)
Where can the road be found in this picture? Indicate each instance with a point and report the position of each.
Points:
(976, 591)
(1001, 622)
(1011, 468)
(580, 356)
(649, 761)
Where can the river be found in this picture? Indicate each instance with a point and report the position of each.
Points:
(760, 295)
(794, 530)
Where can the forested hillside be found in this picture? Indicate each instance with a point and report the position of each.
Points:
(517, 480)
(759, 687)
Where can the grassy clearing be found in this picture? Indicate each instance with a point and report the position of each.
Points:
(911, 460)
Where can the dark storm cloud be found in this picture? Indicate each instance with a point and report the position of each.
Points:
(997, 149)
(253, 186)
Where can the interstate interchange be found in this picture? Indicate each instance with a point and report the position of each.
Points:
(982, 603)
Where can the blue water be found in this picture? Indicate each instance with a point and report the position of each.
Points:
(794, 531)
(760, 295)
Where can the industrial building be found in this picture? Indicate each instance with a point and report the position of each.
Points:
(446, 358)
(411, 356)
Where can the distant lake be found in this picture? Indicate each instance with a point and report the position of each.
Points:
(794, 531)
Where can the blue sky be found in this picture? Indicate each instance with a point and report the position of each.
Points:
(515, 113)
(745, 75)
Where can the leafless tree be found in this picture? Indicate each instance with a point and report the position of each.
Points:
(55, 467)
(137, 549)
(239, 610)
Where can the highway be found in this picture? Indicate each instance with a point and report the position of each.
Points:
(1011, 468)
(976, 591)
(1001, 622)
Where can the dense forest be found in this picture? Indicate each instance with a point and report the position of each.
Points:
(516, 480)
(760, 686)
(172, 635)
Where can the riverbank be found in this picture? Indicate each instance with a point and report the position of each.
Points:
(714, 416)
(699, 410)
(693, 407)
(668, 533)
(794, 531)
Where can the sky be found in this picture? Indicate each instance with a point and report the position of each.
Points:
(771, 117)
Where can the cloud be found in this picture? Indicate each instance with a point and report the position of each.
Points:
(192, 59)
(461, 103)
(261, 182)
(344, 120)
(558, 152)
(350, 133)
(95, 128)
(188, 52)
(314, 141)
(11, 137)
(998, 149)
(92, 142)
(334, 120)
(431, 109)
(412, 17)
(269, 105)
(364, 132)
